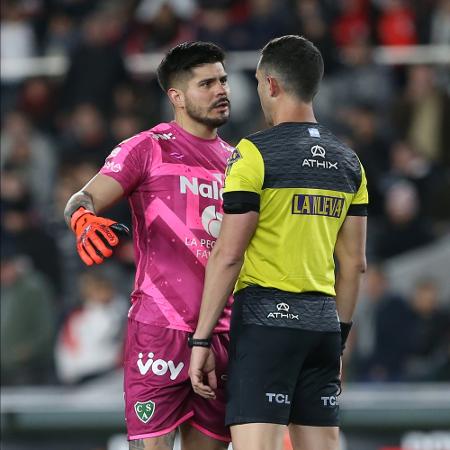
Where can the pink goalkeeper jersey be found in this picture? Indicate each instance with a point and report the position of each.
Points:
(173, 181)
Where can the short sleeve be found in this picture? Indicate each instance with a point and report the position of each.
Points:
(128, 162)
(360, 200)
(245, 169)
(243, 179)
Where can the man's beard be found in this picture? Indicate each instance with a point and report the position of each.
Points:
(201, 117)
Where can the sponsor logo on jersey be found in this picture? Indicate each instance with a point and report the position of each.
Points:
(162, 136)
(318, 159)
(112, 166)
(317, 150)
(212, 190)
(281, 399)
(211, 221)
(159, 367)
(145, 410)
(317, 205)
(282, 312)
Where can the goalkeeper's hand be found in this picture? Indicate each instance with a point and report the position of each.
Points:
(96, 236)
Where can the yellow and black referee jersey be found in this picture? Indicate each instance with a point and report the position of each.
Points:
(304, 182)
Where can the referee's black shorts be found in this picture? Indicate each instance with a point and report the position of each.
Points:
(284, 359)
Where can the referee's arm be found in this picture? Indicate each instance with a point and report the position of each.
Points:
(350, 252)
(223, 268)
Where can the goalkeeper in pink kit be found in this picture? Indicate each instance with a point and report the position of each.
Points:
(172, 176)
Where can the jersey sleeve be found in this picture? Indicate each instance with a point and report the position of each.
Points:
(128, 163)
(244, 179)
(360, 200)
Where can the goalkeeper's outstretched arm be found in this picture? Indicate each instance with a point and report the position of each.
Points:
(96, 236)
(97, 195)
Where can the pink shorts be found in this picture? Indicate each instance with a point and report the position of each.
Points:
(157, 388)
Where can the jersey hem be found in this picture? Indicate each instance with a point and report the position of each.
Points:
(178, 328)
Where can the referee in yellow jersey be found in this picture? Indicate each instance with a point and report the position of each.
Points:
(294, 197)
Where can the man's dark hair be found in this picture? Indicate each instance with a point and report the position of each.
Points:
(181, 59)
(297, 62)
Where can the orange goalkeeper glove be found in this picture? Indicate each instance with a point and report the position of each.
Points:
(96, 236)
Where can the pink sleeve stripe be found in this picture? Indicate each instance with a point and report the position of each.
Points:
(159, 209)
(129, 144)
(164, 306)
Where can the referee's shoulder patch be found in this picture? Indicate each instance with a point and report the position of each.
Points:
(235, 156)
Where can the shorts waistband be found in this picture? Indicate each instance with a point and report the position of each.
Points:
(275, 308)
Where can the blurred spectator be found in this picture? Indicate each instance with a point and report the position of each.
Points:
(148, 9)
(31, 153)
(125, 125)
(310, 20)
(378, 353)
(27, 321)
(160, 24)
(404, 227)
(440, 35)
(440, 23)
(422, 114)
(396, 24)
(428, 179)
(423, 10)
(372, 148)
(354, 83)
(352, 24)
(430, 335)
(96, 65)
(37, 101)
(266, 20)
(215, 25)
(90, 341)
(17, 37)
(126, 100)
(61, 37)
(85, 136)
(21, 224)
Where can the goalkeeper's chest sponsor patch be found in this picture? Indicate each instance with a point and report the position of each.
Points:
(317, 205)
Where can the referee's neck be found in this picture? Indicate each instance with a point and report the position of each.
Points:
(291, 110)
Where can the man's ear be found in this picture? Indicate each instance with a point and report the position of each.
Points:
(274, 87)
(176, 97)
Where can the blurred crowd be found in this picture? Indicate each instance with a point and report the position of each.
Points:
(63, 323)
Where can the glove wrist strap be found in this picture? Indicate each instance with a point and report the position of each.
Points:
(76, 216)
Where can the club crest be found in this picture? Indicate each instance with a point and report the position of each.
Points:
(145, 410)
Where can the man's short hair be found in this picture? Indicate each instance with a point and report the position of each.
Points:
(181, 59)
(297, 62)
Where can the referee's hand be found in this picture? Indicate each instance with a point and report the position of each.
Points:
(202, 371)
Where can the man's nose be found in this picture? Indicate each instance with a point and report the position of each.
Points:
(222, 89)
